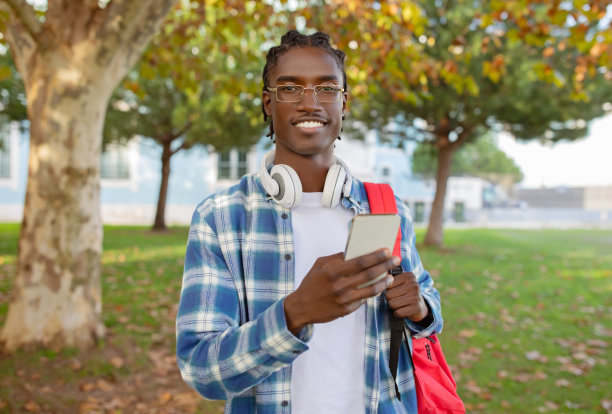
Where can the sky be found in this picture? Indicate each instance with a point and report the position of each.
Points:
(586, 162)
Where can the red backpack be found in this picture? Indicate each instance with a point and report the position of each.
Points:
(435, 387)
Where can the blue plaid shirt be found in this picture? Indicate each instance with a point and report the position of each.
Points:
(232, 338)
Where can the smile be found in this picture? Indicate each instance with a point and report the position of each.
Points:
(309, 124)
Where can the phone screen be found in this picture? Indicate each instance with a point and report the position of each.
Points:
(370, 232)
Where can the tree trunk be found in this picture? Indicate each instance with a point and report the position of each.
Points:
(70, 62)
(434, 235)
(57, 298)
(160, 215)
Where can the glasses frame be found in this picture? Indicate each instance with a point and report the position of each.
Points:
(275, 90)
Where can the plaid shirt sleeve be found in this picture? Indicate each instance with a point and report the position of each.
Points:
(411, 262)
(216, 355)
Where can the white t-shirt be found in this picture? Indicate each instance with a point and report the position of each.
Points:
(330, 376)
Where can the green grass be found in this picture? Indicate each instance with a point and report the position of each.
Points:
(528, 317)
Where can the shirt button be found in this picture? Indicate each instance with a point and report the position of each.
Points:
(287, 257)
(285, 216)
(285, 403)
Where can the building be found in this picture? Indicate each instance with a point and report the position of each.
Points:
(130, 175)
(585, 198)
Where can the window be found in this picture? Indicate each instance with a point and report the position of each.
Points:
(459, 212)
(5, 149)
(232, 164)
(419, 212)
(224, 167)
(386, 174)
(242, 163)
(115, 163)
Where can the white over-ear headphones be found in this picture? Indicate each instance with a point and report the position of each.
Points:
(284, 185)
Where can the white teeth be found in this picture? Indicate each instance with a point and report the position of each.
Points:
(309, 124)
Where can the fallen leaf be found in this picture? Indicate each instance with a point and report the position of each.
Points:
(550, 405)
(598, 343)
(104, 385)
(116, 361)
(562, 383)
(76, 365)
(165, 398)
(522, 377)
(186, 398)
(533, 355)
(115, 403)
(32, 406)
(467, 333)
(572, 405)
(539, 375)
(472, 387)
(600, 330)
(87, 386)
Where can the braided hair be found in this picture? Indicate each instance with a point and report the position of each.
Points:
(294, 39)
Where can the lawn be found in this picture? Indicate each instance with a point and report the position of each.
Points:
(528, 326)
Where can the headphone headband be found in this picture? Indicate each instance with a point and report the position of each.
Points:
(283, 183)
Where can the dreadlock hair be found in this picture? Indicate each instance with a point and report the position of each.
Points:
(294, 39)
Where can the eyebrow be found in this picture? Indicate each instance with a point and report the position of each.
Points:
(297, 78)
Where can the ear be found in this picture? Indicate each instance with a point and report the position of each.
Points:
(267, 102)
(344, 104)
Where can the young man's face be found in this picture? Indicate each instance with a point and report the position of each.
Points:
(307, 127)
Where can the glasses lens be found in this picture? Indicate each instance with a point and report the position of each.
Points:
(327, 93)
(289, 93)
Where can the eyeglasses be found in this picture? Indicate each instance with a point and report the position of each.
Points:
(294, 93)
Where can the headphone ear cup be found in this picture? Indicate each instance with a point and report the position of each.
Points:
(334, 183)
(289, 184)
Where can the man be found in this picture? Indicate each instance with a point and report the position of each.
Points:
(271, 318)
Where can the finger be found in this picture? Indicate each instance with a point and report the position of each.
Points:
(353, 294)
(365, 261)
(401, 301)
(372, 273)
(331, 258)
(403, 281)
(406, 311)
(404, 288)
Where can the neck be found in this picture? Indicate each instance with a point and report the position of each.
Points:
(312, 169)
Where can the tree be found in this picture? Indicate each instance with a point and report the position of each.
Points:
(70, 56)
(481, 158)
(537, 69)
(12, 94)
(170, 99)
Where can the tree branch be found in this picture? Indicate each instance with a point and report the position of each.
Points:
(463, 136)
(26, 15)
(186, 128)
(131, 24)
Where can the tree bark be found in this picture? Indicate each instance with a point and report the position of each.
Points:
(160, 214)
(57, 297)
(446, 150)
(70, 64)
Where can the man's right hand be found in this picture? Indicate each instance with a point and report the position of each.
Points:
(329, 290)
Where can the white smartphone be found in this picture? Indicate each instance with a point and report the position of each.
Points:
(370, 232)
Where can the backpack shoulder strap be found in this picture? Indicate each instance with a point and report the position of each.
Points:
(382, 201)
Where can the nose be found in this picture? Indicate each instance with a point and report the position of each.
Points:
(309, 102)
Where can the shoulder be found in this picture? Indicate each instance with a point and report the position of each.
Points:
(403, 209)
